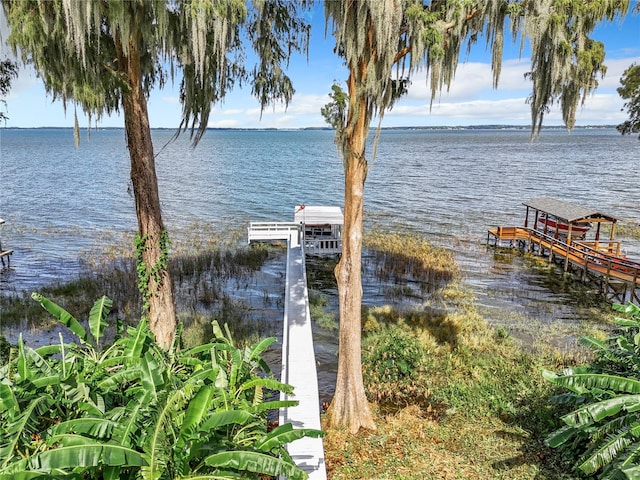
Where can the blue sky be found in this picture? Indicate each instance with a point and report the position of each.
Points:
(470, 101)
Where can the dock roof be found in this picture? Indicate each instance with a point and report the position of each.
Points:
(318, 215)
(567, 211)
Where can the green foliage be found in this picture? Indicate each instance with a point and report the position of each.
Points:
(134, 411)
(394, 366)
(603, 429)
(8, 72)
(146, 273)
(5, 350)
(78, 49)
(335, 112)
(630, 91)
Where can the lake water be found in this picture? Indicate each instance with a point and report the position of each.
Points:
(62, 204)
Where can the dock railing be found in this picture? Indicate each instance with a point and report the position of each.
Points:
(275, 231)
(598, 260)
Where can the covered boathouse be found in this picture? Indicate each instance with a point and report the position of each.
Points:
(579, 239)
(321, 229)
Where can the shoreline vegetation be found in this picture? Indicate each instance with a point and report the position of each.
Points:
(453, 396)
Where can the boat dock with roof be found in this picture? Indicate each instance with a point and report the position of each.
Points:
(572, 236)
(315, 231)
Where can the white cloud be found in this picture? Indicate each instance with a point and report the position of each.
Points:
(230, 111)
(226, 123)
(615, 69)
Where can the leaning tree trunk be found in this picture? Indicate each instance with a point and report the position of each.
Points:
(156, 282)
(349, 406)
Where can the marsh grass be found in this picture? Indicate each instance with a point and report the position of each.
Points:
(207, 277)
(405, 257)
(318, 303)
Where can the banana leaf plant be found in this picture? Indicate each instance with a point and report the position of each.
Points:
(129, 410)
(603, 429)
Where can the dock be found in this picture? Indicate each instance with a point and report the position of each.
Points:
(299, 368)
(5, 254)
(592, 260)
(315, 231)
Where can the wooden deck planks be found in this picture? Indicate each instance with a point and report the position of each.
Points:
(299, 368)
(583, 257)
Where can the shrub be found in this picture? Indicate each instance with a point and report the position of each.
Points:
(394, 367)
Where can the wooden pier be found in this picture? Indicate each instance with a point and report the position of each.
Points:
(596, 261)
(5, 254)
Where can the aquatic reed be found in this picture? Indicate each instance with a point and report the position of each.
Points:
(399, 257)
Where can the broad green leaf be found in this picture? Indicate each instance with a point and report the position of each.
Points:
(151, 374)
(128, 421)
(629, 308)
(98, 317)
(284, 434)
(224, 418)
(593, 343)
(600, 410)
(135, 343)
(217, 331)
(266, 383)
(162, 428)
(111, 472)
(48, 350)
(256, 462)
(192, 352)
(90, 455)
(96, 427)
(605, 453)
(40, 382)
(274, 405)
(62, 315)
(116, 380)
(196, 411)
(560, 436)
(258, 349)
(8, 401)
(236, 366)
(219, 475)
(221, 379)
(597, 380)
(23, 365)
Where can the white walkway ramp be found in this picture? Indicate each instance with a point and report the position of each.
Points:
(299, 368)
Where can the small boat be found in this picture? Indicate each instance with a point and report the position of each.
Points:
(550, 224)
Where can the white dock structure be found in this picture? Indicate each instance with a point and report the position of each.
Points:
(299, 368)
(298, 357)
(265, 231)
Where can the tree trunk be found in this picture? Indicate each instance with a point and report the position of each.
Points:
(349, 406)
(159, 289)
